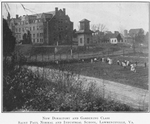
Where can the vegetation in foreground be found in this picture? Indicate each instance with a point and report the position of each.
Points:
(25, 91)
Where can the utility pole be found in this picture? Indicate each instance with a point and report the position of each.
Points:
(47, 33)
(71, 48)
(134, 45)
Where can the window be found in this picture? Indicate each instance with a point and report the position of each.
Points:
(33, 40)
(41, 40)
(33, 28)
(61, 20)
(37, 28)
(19, 29)
(66, 20)
(16, 29)
(22, 29)
(88, 40)
(37, 40)
(41, 34)
(81, 40)
(37, 34)
(33, 35)
(30, 28)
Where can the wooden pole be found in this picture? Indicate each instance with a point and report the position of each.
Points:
(60, 56)
(42, 57)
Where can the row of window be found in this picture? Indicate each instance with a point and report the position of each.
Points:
(37, 40)
(30, 28)
(62, 21)
(27, 22)
(38, 35)
(32, 35)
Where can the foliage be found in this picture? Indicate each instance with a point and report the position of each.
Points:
(119, 38)
(99, 27)
(8, 40)
(27, 91)
(27, 38)
(139, 38)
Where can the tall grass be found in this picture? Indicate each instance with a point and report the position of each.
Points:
(24, 90)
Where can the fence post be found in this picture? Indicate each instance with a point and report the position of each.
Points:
(60, 56)
(42, 57)
(54, 56)
(67, 56)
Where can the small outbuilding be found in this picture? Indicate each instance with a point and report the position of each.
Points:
(84, 35)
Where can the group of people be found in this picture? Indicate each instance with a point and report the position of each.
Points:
(124, 63)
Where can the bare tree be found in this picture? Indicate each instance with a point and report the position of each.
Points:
(99, 30)
(99, 27)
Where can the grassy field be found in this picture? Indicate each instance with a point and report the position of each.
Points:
(112, 72)
(49, 50)
(102, 70)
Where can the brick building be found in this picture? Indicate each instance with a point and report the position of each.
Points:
(48, 28)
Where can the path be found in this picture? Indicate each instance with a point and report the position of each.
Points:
(135, 97)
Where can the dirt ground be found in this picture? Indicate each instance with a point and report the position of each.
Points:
(130, 95)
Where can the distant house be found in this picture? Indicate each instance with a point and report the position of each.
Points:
(113, 38)
(128, 39)
(134, 32)
(128, 36)
(84, 35)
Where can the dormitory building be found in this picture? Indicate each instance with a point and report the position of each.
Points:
(48, 28)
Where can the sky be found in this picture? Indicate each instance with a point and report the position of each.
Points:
(116, 16)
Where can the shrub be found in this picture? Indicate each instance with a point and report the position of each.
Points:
(24, 90)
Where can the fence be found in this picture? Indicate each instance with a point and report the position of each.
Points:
(74, 56)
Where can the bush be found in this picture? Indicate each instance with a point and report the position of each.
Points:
(27, 91)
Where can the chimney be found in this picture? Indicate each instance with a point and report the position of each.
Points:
(116, 32)
(56, 10)
(125, 32)
(64, 10)
(17, 16)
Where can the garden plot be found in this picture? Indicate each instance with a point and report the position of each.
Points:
(132, 96)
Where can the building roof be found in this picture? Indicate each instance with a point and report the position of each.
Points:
(39, 14)
(83, 31)
(108, 36)
(84, 20)
(135, 30)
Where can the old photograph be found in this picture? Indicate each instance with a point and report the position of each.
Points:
(75, 56)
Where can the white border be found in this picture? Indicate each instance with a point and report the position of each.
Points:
(13, 118)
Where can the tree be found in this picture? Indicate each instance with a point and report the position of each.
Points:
(119, 38)
(27, 38)
(99, 27)
(146, 38)
(99, 30)
(139, 37)
(8, 40)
